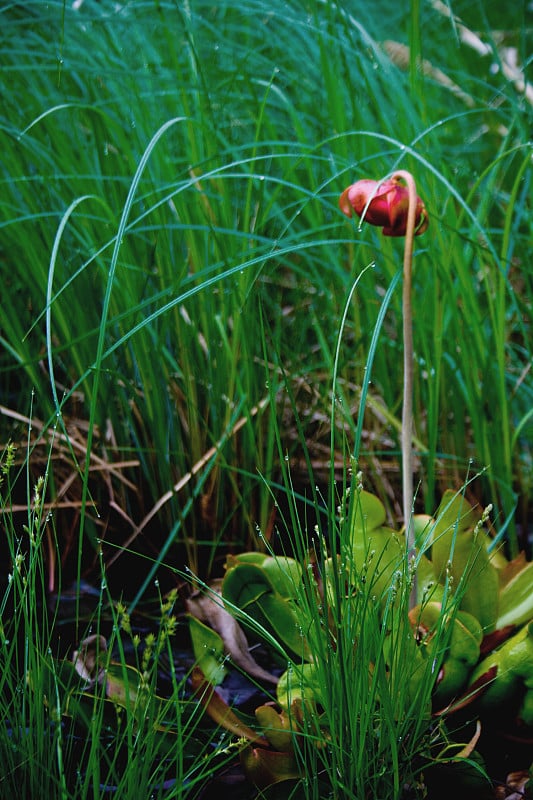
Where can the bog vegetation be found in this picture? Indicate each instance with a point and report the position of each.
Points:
(200, 354)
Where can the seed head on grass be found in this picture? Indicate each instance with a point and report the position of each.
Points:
(149, 643)
(7, 460)
(123, 618)
(37, 494)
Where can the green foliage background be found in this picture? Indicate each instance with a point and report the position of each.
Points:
(228, 279)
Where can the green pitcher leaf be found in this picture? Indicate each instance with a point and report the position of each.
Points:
(123, 684)
(368, 513)
(299, 683)
(512, 686)
(208, 649)
(244, 584)
(376, 551)
(248, 588)
(266, 767)
(516, 599)
(277, 726)
(285, 575)
(246, 558)
(377, 556)
(428, 588)
(459, 551)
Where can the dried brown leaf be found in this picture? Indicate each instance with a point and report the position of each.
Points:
(209, 608)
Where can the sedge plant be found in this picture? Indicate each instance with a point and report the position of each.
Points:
(354, 702)
(84, 719)
(234, 211)
(352, 707)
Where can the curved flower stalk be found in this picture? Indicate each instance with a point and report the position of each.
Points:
(394, 206)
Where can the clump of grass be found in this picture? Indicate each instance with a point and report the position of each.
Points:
(158, 197)
(367, 722)
(358, 698)
(372, 728)
(86, 725)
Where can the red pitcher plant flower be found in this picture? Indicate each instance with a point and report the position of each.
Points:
(385, 204)
(393, 205)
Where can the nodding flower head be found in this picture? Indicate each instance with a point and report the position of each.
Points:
(385, 204)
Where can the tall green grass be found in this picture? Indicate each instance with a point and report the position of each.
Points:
(63, 735)
(170, 179)
(179, 313)
(356, 691)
